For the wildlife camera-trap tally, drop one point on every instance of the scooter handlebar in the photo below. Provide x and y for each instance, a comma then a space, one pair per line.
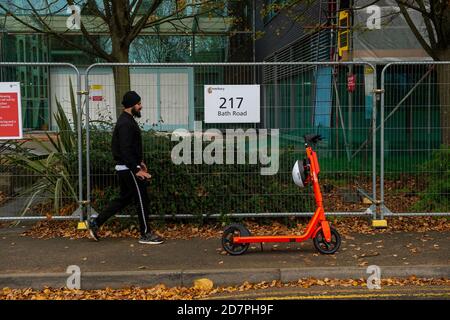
312, 138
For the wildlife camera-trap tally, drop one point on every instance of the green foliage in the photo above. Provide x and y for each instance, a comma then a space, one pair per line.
199, 189
435, 197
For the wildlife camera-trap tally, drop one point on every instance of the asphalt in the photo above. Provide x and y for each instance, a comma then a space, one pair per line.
408, 292
123, 262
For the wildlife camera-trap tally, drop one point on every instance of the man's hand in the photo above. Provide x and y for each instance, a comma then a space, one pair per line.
144, 166
143, 175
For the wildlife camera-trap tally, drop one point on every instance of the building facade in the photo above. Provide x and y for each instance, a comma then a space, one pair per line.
212, 37
295, 99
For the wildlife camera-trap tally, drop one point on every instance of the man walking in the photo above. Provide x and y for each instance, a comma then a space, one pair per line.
131, 170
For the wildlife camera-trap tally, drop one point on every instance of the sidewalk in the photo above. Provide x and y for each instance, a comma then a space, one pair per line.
116, 263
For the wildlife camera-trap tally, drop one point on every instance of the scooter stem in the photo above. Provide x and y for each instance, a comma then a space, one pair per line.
314, 173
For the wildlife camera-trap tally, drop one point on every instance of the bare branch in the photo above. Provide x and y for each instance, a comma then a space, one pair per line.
174, 16
365, 6
142, 21
108, 13
93, 7
430, 29
406, 4
416, 32
442, 22
8, 12
137, 5
99, 50
47, 30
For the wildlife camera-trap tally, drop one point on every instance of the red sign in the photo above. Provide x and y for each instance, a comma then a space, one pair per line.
97, 98
10, 111
351, 83
96, 92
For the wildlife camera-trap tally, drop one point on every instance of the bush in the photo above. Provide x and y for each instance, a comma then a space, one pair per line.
435, 197
200, 189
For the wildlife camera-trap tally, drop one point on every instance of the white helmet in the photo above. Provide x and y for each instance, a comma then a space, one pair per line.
298, 174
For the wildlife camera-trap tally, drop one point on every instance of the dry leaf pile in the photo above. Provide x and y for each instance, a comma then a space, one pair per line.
161, 292
67, 229
400, 195
2, 197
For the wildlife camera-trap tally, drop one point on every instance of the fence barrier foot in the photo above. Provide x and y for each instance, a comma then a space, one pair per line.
379, 224
82, 225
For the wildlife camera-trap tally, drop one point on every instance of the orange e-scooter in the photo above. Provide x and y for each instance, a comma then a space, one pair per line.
236, 237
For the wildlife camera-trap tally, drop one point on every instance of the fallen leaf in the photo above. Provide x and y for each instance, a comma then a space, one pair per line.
203, 284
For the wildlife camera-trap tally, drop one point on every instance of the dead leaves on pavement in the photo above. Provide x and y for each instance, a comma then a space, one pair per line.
67, 229
161, 292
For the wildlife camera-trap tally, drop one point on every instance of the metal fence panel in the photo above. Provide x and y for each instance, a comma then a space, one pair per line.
296, 99
41, 174
415, 139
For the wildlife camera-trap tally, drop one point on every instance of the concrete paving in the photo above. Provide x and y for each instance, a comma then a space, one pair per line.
121, 262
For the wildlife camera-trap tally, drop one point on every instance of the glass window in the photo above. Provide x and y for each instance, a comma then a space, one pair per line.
35, 57
35, 86
211, 48
21, 53
42, 6
62, 52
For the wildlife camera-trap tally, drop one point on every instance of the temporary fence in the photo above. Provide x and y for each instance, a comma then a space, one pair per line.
335, 100
385, 151
43, 172
415, 139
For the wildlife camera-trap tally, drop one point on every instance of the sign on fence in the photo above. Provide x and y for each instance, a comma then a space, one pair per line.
232, 103
10, 111
96, 92
351, 83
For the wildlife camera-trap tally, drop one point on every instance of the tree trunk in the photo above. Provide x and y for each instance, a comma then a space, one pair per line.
443, 72
121, 77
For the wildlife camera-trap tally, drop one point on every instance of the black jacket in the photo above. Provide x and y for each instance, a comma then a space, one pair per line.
127, 142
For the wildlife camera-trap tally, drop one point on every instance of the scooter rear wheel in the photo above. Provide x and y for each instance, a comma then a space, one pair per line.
325, 247
231, 231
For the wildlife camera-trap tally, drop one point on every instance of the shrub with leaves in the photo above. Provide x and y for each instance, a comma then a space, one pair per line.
198, 188
435, 197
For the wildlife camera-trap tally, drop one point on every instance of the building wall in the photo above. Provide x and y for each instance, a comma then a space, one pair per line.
211, 40
278, 30
34, 89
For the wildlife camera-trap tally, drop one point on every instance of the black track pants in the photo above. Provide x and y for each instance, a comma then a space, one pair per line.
132, 189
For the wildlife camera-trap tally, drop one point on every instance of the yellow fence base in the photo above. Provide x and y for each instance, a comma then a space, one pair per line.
379, 223
82, 225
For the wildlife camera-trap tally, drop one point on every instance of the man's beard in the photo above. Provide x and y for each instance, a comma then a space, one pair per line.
135, 113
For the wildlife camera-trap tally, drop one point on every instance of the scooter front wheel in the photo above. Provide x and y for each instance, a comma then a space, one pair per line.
231, 231
325, 247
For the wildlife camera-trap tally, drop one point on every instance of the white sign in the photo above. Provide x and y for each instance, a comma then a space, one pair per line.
232, 104
10, 111
95, 94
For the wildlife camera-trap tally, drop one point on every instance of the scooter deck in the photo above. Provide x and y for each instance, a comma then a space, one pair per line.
258, 239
